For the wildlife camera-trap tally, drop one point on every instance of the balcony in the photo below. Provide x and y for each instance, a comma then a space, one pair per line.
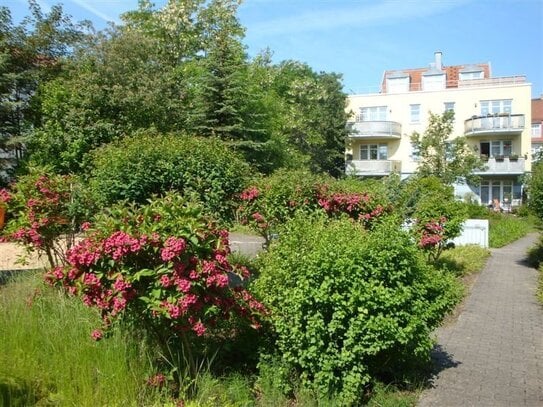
503, 166
492, 124
373, 168
375, 129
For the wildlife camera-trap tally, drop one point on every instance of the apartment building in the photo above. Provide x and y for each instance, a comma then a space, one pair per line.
494, 113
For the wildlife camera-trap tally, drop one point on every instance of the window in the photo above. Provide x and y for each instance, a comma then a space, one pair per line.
471, 75
448, 106
496, 148
501, 190
433, 82
373, 113
415, 113
373, 152
397, 85
495, 106
415, 152
536, 130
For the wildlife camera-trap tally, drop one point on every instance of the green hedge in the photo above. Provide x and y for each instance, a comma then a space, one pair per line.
136, 167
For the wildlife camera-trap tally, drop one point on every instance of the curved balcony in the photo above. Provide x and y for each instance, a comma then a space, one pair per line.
376, 129
493, 124
375, 168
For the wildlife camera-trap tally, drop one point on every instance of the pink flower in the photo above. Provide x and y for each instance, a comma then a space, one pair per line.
85, 226
250, 194
199, 328
165, 281
183, 285
173, 247
97, 335
157, 380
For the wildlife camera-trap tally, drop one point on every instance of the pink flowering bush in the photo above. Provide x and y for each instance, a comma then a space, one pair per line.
432, 238
276, 199
163, 269
46, 213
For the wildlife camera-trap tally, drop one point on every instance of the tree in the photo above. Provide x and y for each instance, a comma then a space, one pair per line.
451, 160
312, 115
535, 189
31, 53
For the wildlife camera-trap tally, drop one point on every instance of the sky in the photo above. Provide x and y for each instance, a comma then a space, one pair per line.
360, 39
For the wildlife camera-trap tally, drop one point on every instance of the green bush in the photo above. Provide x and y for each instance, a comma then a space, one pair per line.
348, 304
137, 167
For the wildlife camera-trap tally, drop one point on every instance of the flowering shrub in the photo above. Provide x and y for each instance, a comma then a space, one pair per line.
161, 267
275, 199
278, 198
432, 237
46, 213
350, 305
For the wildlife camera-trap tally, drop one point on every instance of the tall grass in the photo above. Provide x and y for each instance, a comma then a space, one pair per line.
506, 228
47, 355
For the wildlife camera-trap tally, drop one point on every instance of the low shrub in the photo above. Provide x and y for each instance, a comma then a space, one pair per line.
137, 167
349, 305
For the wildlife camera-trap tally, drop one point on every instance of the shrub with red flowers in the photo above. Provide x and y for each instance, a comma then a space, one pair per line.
276, 199
46, 213
162, 268
359, 206
437, 216
432, 238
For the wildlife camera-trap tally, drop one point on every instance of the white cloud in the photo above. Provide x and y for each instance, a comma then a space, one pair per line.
355, 13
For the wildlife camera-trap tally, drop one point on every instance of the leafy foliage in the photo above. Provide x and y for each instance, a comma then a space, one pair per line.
137, 167
348, 304
535, 188
451, 160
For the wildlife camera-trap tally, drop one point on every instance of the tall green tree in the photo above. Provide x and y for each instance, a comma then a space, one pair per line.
312, 115
449, 159
31, 53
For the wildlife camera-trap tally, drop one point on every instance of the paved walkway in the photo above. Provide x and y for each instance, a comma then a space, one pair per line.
493, 354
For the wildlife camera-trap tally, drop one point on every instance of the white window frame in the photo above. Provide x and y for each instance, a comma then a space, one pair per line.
471, 75
373, 152
414, 113
498, 189
448, 106
536, 130
373, 113
489, 107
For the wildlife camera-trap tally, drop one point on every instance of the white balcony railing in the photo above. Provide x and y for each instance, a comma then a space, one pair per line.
372, 167
375, 129
498, 123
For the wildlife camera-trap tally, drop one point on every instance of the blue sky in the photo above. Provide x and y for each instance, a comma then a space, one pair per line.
360, 39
